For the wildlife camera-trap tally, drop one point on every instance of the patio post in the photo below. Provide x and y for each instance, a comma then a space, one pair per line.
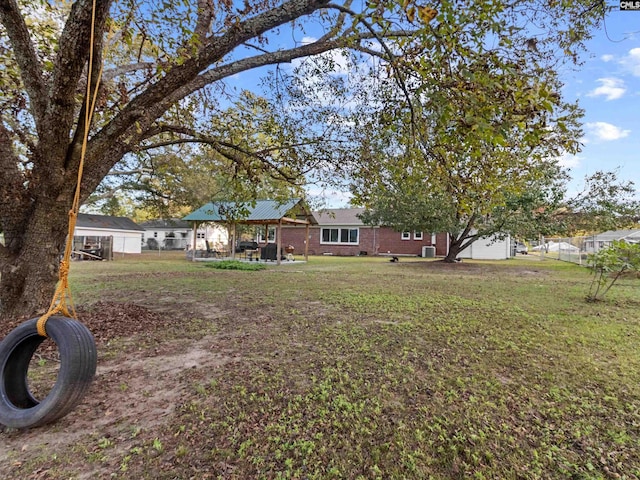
193, 241
233, 241
279, 242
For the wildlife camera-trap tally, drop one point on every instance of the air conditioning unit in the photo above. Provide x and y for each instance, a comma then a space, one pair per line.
428, 251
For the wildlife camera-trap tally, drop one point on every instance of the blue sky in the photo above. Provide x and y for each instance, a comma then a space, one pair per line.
607, 87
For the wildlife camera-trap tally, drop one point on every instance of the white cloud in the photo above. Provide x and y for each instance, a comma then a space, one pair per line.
329, 198
632, 61
611, 88
606, 58
339, 58
605, 131
569, 161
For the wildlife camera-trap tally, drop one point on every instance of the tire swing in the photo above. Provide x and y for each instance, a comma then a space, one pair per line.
78, 359
78, 355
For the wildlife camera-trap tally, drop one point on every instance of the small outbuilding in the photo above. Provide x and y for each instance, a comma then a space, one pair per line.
99, 236
495, 247
264, 214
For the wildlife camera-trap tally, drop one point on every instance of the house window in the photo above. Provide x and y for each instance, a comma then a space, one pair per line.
200, 235
155, 234
417, 235
340, 235
406, 235
271, 236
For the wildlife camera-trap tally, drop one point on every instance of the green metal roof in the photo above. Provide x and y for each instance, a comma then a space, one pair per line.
264, 210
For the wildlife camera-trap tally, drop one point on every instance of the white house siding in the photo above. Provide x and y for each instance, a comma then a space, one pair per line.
594, 243
217, 235
180, 240
488, 248
124, 241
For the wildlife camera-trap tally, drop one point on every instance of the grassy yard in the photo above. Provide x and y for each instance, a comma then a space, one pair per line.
348, 368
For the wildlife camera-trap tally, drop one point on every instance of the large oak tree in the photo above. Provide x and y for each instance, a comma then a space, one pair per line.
162, 58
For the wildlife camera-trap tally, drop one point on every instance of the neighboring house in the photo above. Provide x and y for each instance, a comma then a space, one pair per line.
104, 234
177, 234
595, 242
341, 232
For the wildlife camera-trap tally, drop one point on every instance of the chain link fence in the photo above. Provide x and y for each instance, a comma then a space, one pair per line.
568, 249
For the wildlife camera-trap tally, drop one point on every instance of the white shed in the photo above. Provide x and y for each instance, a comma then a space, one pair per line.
117, 234
489, 248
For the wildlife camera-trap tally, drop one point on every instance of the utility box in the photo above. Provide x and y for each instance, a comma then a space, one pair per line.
428, 251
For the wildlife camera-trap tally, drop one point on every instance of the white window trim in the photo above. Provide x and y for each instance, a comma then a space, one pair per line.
418, 235
260, 236
357, 242
405, 236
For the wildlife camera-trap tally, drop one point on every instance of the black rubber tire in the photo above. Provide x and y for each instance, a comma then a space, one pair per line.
78, 360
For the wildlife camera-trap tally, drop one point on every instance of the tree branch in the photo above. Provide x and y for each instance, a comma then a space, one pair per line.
205, 15
130, 172
339, 22
25, 55
124, 130
224, 148
390, 54
270, 58
73, 52
109, 75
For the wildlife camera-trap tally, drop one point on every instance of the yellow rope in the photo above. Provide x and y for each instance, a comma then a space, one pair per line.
63, 292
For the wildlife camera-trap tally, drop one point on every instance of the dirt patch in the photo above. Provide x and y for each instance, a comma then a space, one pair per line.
126, 396
473, 268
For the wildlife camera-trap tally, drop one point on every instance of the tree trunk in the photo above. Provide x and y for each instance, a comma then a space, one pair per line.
455, 247
32, 259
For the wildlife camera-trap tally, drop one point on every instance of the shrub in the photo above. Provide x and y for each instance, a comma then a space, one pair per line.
609, 264
236, 265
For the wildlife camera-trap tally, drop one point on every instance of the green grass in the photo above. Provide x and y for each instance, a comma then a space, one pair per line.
357, 368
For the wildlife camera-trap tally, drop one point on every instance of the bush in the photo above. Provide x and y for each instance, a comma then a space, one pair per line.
609, 264
236, 265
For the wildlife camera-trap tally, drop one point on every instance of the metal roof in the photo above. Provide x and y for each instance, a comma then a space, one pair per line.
339, 216
617, 235
262, 211
106, 222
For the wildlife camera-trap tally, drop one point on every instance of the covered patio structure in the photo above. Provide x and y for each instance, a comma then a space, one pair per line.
262, 213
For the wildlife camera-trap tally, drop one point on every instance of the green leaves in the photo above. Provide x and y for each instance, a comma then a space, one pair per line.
609, 264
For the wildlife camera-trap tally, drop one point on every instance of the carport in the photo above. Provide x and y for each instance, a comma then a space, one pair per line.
261, 213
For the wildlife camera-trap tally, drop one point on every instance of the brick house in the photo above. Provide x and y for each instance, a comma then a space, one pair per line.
340, 232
